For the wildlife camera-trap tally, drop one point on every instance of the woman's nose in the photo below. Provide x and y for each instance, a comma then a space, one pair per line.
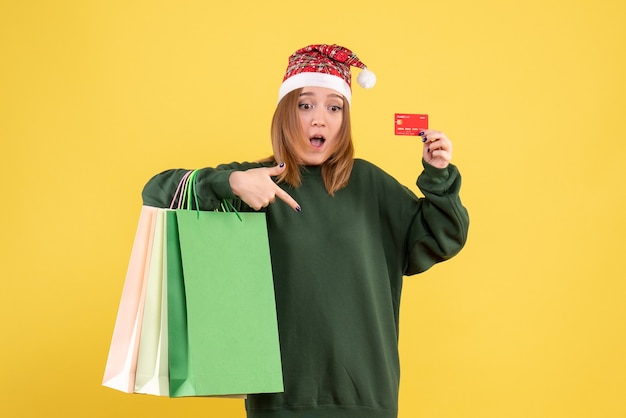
318, 118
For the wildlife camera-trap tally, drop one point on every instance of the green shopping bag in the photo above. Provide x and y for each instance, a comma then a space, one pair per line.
222, 327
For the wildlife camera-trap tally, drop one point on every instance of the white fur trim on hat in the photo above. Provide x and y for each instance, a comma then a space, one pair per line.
315, 79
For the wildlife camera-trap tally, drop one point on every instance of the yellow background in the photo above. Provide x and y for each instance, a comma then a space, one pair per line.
528, 321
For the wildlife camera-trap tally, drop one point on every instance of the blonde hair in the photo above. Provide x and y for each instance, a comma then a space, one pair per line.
288, 141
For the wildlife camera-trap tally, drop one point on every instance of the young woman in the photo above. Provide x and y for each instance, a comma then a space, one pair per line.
342, 233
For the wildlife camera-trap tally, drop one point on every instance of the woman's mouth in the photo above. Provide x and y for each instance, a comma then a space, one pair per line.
317, 141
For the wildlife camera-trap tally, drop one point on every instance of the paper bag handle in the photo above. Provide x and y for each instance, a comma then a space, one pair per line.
186, 194
178, 194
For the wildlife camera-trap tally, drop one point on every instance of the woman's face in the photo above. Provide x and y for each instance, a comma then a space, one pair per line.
321, 117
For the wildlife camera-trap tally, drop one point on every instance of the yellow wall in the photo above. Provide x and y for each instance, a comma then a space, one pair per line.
528, 321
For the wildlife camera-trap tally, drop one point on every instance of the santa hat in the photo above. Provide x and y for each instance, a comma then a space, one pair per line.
324, 66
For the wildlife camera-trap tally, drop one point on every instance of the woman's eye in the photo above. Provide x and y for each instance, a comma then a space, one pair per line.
305, 106
334, 108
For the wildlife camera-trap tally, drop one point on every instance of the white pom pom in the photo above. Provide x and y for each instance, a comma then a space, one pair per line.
366, 79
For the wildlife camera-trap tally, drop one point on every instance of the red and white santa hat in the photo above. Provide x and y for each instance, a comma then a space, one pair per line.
324, 66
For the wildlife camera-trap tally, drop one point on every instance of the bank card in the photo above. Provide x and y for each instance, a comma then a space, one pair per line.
410, 123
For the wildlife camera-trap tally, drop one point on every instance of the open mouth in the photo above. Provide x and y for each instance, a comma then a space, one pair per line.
317, 141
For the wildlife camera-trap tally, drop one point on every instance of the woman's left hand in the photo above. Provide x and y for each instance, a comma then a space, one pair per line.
437, 148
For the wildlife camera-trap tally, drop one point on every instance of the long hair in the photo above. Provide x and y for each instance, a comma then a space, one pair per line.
289, 141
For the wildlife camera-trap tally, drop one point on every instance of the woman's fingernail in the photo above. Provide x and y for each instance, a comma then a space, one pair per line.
424, 139
421, 133
428, 149
298, 209
282, 165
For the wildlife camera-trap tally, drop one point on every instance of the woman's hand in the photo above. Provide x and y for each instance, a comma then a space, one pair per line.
257, 189
437, 148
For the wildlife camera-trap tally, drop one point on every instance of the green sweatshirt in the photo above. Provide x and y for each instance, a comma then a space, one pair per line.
338, 267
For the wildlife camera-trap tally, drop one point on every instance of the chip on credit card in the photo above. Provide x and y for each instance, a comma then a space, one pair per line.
410, 123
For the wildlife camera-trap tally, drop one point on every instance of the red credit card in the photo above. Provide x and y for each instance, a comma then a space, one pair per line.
410, 123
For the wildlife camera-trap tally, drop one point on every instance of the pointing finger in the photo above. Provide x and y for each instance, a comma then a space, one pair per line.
286, 197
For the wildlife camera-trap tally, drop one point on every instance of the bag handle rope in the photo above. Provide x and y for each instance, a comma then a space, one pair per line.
179, 190
186, 195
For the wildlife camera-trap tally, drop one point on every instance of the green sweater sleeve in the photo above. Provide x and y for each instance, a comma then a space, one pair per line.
212, 186
440, 226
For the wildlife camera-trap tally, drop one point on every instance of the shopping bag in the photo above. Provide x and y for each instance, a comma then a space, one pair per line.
222, 326
121, 363
152, 360
134, 366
